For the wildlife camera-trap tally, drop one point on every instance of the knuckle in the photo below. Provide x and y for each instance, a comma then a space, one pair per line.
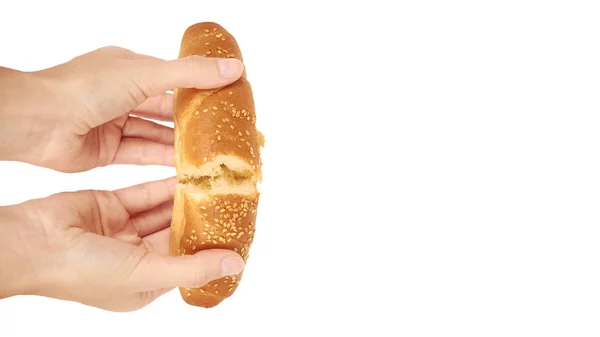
109, 50
200, 279
116, 51
146, 195
165, 212
166, 103
194, 66
170, 186
133, 221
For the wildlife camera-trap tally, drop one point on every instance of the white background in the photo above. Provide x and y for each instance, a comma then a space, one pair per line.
432, 167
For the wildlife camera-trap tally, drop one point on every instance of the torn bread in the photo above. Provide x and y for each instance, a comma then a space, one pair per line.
218, 163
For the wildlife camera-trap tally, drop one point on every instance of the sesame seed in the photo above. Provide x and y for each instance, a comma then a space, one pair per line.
208, 52
216, 292
206, 43
193, 231
206, 30
189, 294
231, 92
219, 35
231, 126
197, 113
205, 110
194, 247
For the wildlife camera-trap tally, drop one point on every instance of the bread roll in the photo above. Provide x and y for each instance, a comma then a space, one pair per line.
218, 163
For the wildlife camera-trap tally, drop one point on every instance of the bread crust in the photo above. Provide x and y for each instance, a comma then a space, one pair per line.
218, 164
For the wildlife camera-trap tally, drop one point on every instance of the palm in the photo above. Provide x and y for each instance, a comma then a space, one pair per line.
105, 237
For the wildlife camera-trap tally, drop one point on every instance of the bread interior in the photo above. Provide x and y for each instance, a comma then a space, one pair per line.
222, 176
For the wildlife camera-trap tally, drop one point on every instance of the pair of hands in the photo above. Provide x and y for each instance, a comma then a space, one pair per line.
107, 249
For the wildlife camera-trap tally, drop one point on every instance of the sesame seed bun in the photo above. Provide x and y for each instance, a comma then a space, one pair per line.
217, 158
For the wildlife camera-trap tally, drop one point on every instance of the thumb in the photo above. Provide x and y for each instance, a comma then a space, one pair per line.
154, 77
145, 77
188, 271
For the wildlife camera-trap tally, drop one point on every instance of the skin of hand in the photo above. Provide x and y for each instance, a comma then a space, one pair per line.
100, 248
86, 112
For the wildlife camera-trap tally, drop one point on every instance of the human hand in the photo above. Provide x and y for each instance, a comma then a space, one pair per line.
104, 249
82, 114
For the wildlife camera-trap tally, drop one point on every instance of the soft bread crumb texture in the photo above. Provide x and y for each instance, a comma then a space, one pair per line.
218, 163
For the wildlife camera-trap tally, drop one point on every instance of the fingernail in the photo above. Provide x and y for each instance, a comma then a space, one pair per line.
230, 68
231, 266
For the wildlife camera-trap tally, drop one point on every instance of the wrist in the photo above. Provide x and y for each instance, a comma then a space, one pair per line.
11, 87
17, 273
21, 116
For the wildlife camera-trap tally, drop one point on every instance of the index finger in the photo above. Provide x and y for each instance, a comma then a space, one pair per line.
156, 107
146, 196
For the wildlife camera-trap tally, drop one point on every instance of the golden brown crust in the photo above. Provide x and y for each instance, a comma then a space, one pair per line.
223, 123
224, 221
209, 39
217, 158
